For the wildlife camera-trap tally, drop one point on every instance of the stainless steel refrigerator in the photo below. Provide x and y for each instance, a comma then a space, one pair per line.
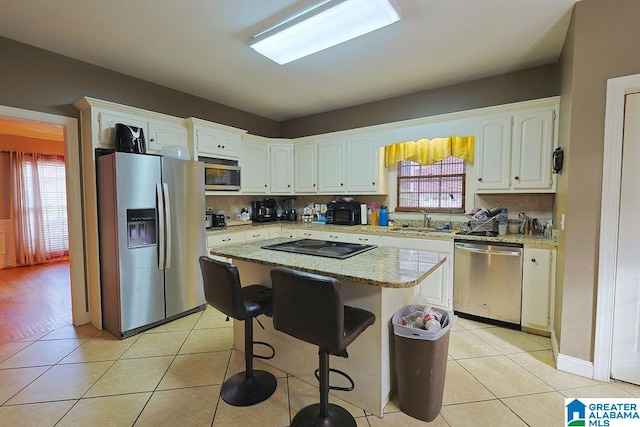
152, 232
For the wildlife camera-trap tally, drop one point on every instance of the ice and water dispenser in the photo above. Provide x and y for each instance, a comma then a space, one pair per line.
141, 227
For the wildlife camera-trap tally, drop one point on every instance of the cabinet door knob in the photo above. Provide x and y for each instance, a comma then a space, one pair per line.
218, 145
152, 140
314, 185
373, 183
479, 179
533, 260
223, 146
341, 184
288, 185
517, 177
265, 186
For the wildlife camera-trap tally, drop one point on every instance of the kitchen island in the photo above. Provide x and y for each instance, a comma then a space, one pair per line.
381, 280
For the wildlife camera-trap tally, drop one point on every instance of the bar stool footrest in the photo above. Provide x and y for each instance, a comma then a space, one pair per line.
331, 387
273, 351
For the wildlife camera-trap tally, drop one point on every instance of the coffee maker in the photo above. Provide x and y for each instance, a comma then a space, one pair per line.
289, 213
263, 210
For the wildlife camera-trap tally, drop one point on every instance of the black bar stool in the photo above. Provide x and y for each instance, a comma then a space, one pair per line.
310, 307
222, 290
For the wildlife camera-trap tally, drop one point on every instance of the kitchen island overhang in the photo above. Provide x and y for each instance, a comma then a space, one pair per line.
381, 280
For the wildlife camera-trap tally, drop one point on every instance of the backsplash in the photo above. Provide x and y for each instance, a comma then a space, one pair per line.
232, 205
534, 205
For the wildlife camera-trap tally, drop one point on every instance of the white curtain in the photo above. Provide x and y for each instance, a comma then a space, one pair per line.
38, 211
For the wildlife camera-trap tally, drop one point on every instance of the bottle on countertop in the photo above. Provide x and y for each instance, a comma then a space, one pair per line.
383, 217
503, 221
374, 216
548, 233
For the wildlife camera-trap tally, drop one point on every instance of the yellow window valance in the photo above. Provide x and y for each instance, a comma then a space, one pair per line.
429, 151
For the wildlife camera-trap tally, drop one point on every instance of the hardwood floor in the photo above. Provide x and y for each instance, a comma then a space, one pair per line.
34, 300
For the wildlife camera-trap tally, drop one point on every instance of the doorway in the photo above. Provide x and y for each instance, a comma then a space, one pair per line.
76, 271
35, 287
611, 228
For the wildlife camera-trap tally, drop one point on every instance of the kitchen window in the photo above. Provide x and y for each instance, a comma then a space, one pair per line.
438, 187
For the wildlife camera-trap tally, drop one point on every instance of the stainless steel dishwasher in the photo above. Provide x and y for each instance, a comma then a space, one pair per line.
487, 281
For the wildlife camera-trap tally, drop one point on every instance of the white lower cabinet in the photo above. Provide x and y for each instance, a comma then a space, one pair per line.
363, 239
437, 288
309, 234
262, 234
538, 288
333, 236
289, 232
222, 240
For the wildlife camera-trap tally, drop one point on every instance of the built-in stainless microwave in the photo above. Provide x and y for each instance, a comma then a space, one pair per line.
221, 174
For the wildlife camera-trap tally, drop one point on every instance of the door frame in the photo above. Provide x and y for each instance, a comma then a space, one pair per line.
617, 89
79, 302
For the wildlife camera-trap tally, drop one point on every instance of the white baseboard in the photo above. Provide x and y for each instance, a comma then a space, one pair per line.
573, 365
554, 345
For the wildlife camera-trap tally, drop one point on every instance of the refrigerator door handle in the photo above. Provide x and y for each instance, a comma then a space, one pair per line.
161, 245
167, 208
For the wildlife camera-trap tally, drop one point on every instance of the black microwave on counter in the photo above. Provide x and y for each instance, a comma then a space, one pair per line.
221, 174
343, 213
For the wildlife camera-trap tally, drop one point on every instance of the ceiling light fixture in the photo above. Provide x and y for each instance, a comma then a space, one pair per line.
326, 24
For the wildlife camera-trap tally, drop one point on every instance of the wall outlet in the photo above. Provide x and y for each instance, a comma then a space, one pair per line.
562, 223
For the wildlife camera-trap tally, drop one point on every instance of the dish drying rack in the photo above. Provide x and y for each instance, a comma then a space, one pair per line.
482, 226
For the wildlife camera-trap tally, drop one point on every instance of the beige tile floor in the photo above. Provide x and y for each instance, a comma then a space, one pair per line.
171, 376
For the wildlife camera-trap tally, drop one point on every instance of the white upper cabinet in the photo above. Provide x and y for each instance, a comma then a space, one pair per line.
107, 121
365, 168
210, 139
493, 153
332, 166
220, 144
254, 166
514, 151
305, 159
165, 133
532, 150
352, 165
281, 168
157, 132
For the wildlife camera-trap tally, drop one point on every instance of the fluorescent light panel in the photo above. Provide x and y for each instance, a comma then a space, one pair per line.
330, 23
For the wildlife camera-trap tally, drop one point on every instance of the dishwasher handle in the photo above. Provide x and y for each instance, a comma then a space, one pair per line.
488, 249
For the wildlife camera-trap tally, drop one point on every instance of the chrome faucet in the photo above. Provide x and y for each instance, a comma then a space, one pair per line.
426, 218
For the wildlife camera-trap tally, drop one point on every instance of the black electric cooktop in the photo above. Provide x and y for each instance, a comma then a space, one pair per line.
322, 248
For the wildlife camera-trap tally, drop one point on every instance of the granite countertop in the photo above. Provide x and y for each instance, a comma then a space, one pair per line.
527, 240
381, 266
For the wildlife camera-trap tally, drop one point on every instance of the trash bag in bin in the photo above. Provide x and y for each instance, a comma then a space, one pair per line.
421, 360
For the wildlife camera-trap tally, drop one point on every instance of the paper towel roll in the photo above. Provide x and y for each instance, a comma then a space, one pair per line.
363, 214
